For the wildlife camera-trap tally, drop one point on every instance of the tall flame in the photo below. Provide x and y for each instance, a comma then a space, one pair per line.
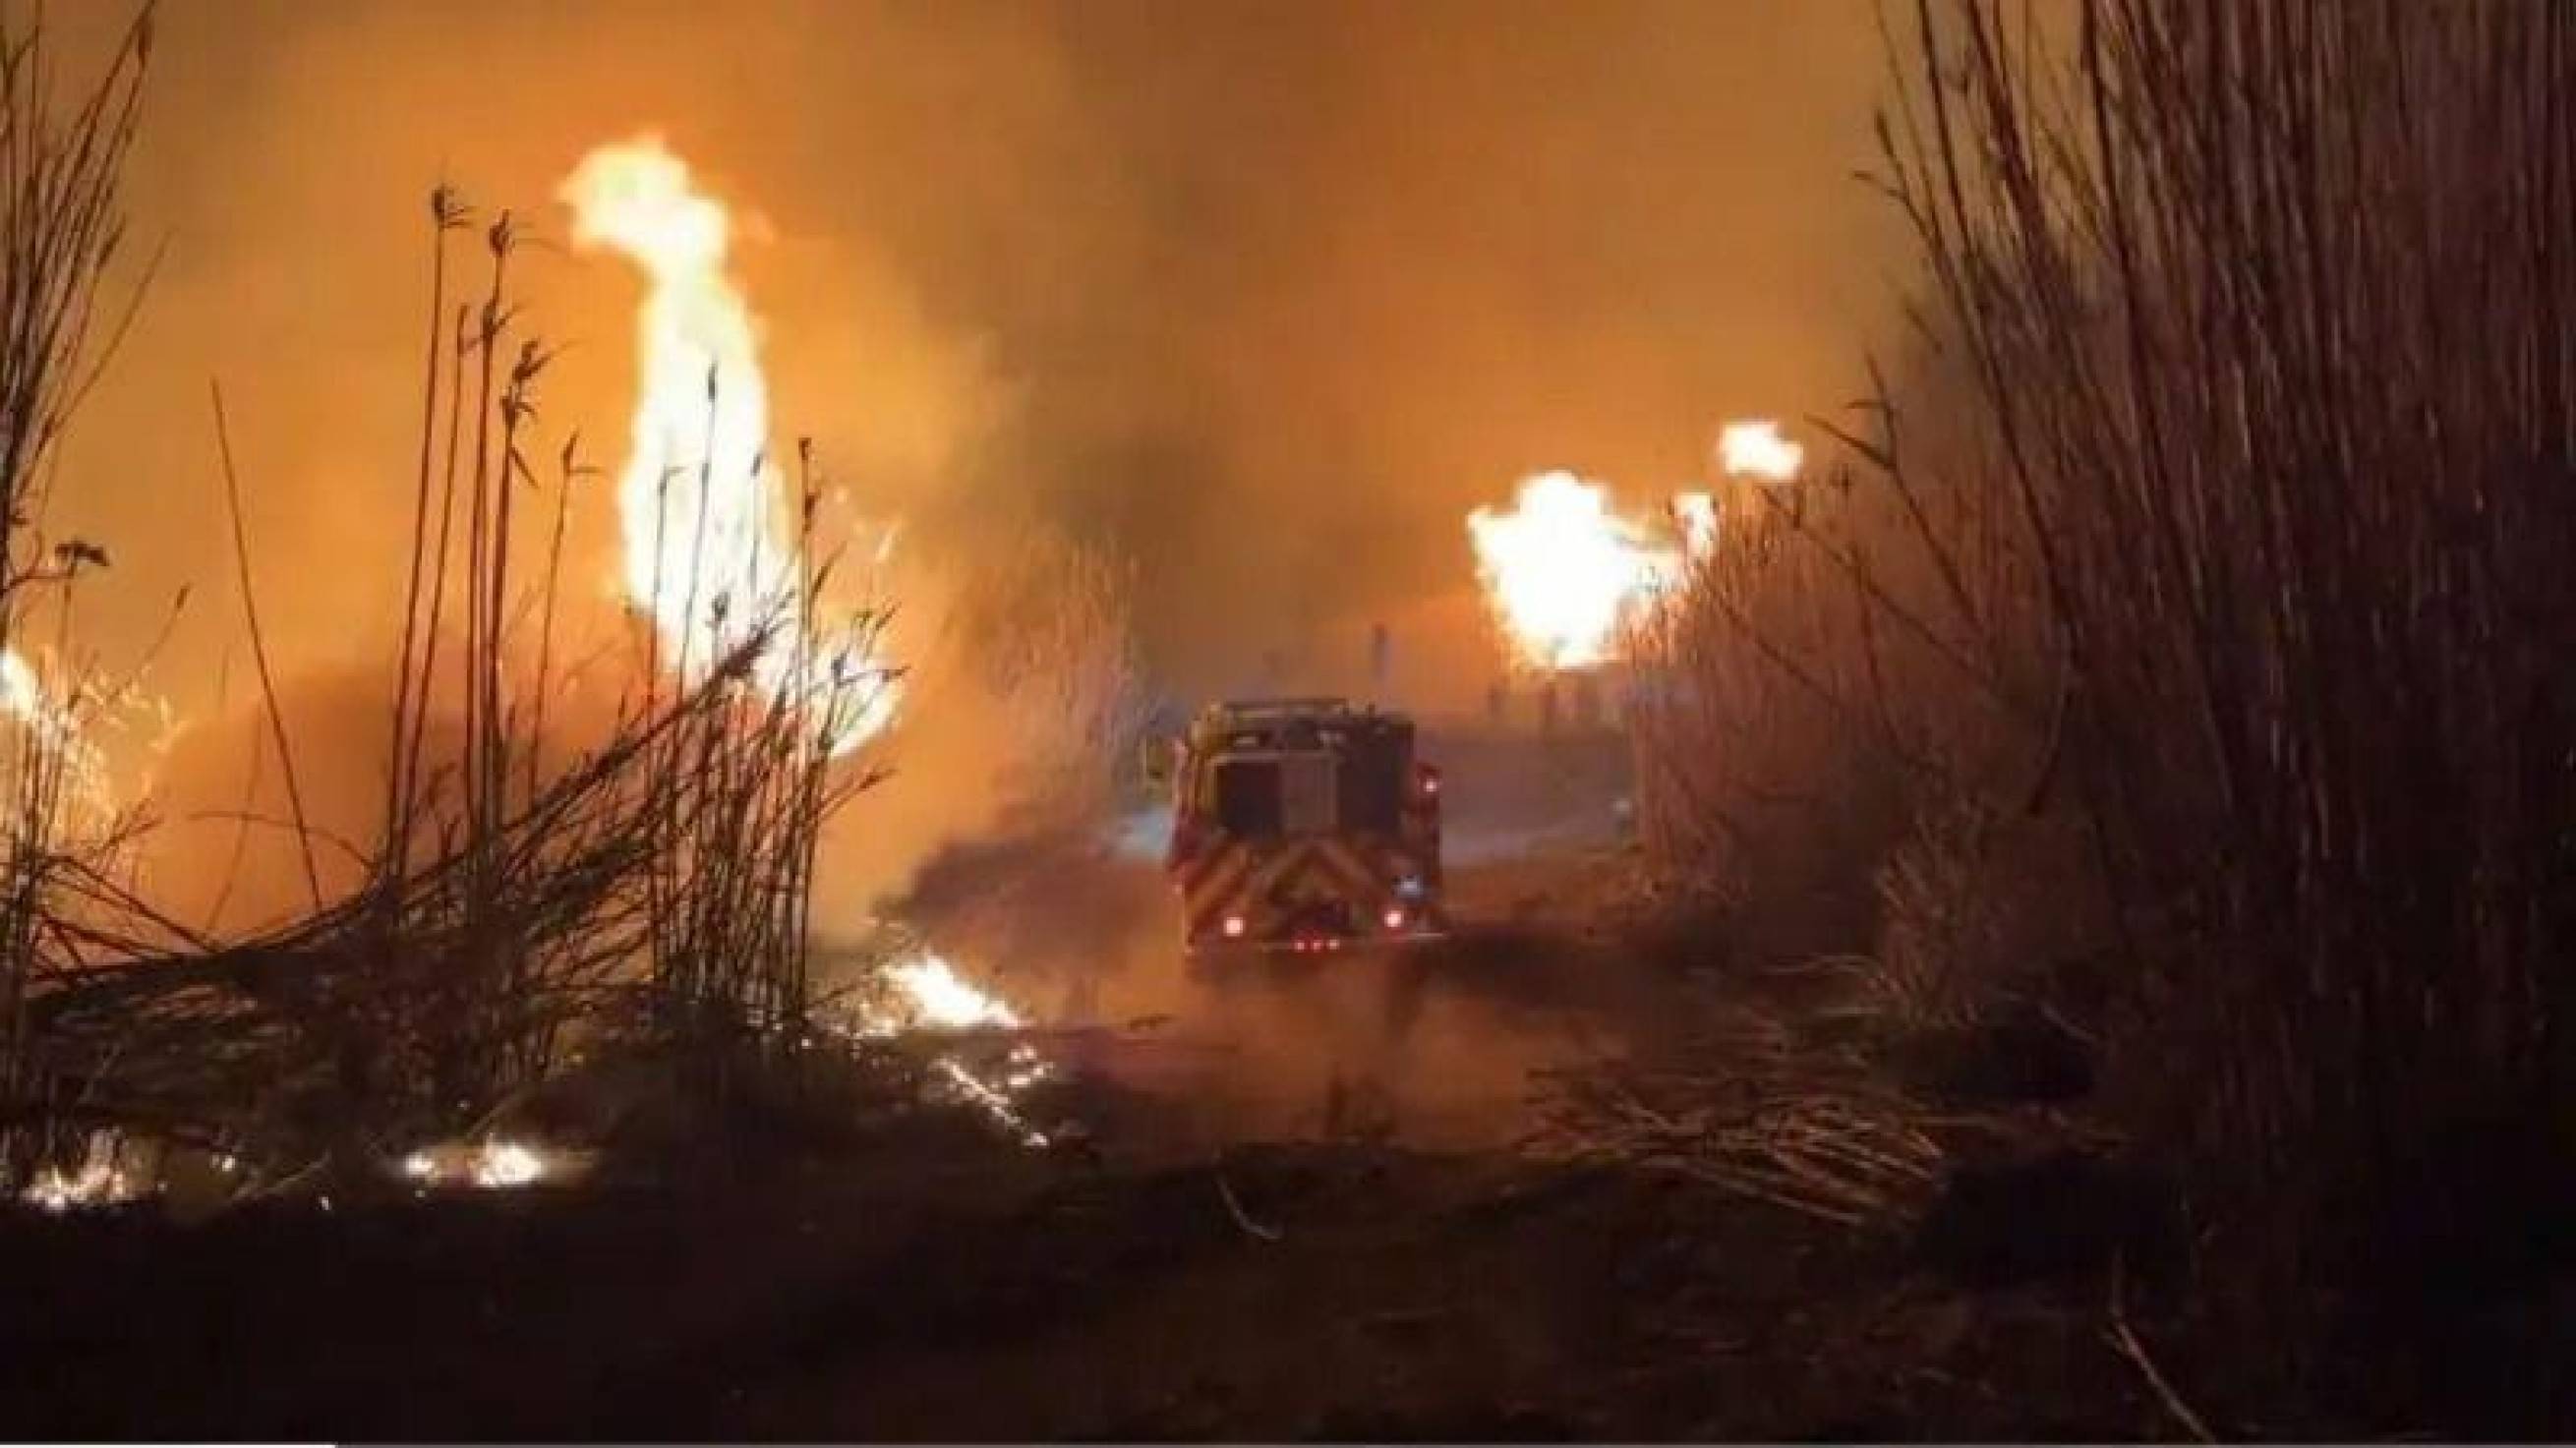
709, 552
1562, 570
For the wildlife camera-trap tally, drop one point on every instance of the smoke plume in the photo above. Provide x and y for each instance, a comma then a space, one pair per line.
1256, 299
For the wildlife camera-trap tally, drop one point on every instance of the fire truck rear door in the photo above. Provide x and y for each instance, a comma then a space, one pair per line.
1307, 793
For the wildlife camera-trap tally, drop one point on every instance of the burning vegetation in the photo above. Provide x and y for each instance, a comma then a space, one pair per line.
589, 847
709, 549
2076, 877
1567, 578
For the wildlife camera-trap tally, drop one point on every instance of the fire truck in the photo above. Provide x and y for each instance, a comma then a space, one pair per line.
1302, 826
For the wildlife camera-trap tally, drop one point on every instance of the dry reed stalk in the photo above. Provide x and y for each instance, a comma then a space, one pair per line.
61, 235
448, 214
661, 872
1754, 1109
2271, 322
2252, 330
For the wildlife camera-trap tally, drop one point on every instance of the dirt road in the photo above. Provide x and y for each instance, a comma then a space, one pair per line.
1431, 1047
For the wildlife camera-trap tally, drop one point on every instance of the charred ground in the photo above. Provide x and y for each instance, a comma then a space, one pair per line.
1338, 1272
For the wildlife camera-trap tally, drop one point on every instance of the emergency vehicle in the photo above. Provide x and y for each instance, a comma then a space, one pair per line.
1303, 826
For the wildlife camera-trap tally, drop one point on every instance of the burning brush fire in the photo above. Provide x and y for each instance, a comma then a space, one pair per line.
495, 1165
23, 697
714, 557
1757, 450
926, 997
100, 1180
48, 721
1562, 571
710, 550
929, 996
718, 556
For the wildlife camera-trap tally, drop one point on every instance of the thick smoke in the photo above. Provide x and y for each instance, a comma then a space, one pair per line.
1259, 297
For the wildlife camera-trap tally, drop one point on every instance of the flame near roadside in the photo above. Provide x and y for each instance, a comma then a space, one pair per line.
927, 999
1562, 570
930, 998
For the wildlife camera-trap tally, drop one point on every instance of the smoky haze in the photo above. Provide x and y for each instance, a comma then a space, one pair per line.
1264, 296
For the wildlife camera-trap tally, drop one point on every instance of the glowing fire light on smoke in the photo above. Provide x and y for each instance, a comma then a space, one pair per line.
1562, 570
1755, 449
710, 550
